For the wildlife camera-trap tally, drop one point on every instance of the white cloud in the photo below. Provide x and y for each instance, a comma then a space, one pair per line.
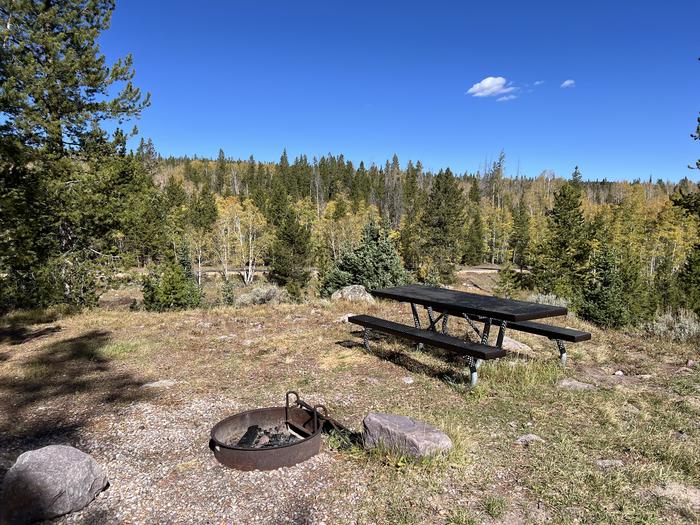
539, 82
568, 84
506, 98
490, 87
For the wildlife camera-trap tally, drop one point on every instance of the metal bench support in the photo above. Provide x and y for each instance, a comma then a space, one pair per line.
416, 323
562, 351
365, 340
501, 334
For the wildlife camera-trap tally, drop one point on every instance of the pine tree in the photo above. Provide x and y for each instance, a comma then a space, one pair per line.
508, 282
564, 254
414, 200
474, 238
602, 298
442, 225
375, 263
56, 91
220, 173
291, 255
520, 238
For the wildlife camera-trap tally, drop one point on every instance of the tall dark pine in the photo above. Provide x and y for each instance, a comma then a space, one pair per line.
414, 201
220, 173
291, 255
520, 238
474, 238
442, 225
56, 91
565, 252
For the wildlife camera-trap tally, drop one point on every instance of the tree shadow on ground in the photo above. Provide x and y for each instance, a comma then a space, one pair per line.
49, 396
443, 373
16, 335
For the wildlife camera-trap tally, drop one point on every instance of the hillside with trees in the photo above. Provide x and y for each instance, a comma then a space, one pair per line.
79, 207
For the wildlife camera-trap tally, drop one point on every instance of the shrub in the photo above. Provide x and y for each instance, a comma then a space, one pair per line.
170, 288
549, 299
679, 325
374, 264
264, 294
228, 293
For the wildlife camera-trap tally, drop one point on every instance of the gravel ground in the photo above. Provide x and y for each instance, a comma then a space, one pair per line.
161, 471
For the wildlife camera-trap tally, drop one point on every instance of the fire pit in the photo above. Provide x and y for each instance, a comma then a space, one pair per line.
269, 438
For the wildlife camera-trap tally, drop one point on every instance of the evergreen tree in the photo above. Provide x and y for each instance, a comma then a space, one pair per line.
561, 266
291, 255
520, 238
474, 238
220, 173
414, 200
442, 225
508, 282
170, 288
374, 264
56, 90
603, 298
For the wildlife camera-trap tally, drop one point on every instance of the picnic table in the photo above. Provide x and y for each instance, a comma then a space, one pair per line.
441, 303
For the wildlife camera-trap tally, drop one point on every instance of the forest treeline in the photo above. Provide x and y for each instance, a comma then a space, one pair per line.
78, 207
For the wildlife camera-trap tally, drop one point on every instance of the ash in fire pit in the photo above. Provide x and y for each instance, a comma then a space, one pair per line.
277, 436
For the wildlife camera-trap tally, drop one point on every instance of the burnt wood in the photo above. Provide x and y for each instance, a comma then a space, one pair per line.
553, 332
436, 339
455, 302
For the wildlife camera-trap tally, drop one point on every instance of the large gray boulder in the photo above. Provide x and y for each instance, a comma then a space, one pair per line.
404, 435
49, 482
354, 292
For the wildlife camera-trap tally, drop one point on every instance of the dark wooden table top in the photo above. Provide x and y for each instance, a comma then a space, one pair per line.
453, 301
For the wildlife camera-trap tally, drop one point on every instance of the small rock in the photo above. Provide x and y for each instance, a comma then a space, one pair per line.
528, 439
681, 494
407, 380
631, 408
404, 435
344, 318
49, 482
354, 292
247, 342
610, 463
680, 435
690, 363
511, 345
619, 373
163, 383
573, 384
684, 370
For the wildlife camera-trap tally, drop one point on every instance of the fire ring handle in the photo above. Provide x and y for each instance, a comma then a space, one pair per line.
303, 404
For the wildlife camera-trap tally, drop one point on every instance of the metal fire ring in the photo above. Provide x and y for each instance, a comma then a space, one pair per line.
296, 414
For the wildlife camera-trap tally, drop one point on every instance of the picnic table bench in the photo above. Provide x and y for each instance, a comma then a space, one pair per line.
506, 313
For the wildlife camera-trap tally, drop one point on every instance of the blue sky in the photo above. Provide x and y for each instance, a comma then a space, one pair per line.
370, 79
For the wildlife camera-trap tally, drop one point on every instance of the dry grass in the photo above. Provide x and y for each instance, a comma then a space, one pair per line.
255, 354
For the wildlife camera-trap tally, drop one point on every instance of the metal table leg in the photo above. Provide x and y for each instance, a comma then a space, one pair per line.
416, 323
501, 334
562, 352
